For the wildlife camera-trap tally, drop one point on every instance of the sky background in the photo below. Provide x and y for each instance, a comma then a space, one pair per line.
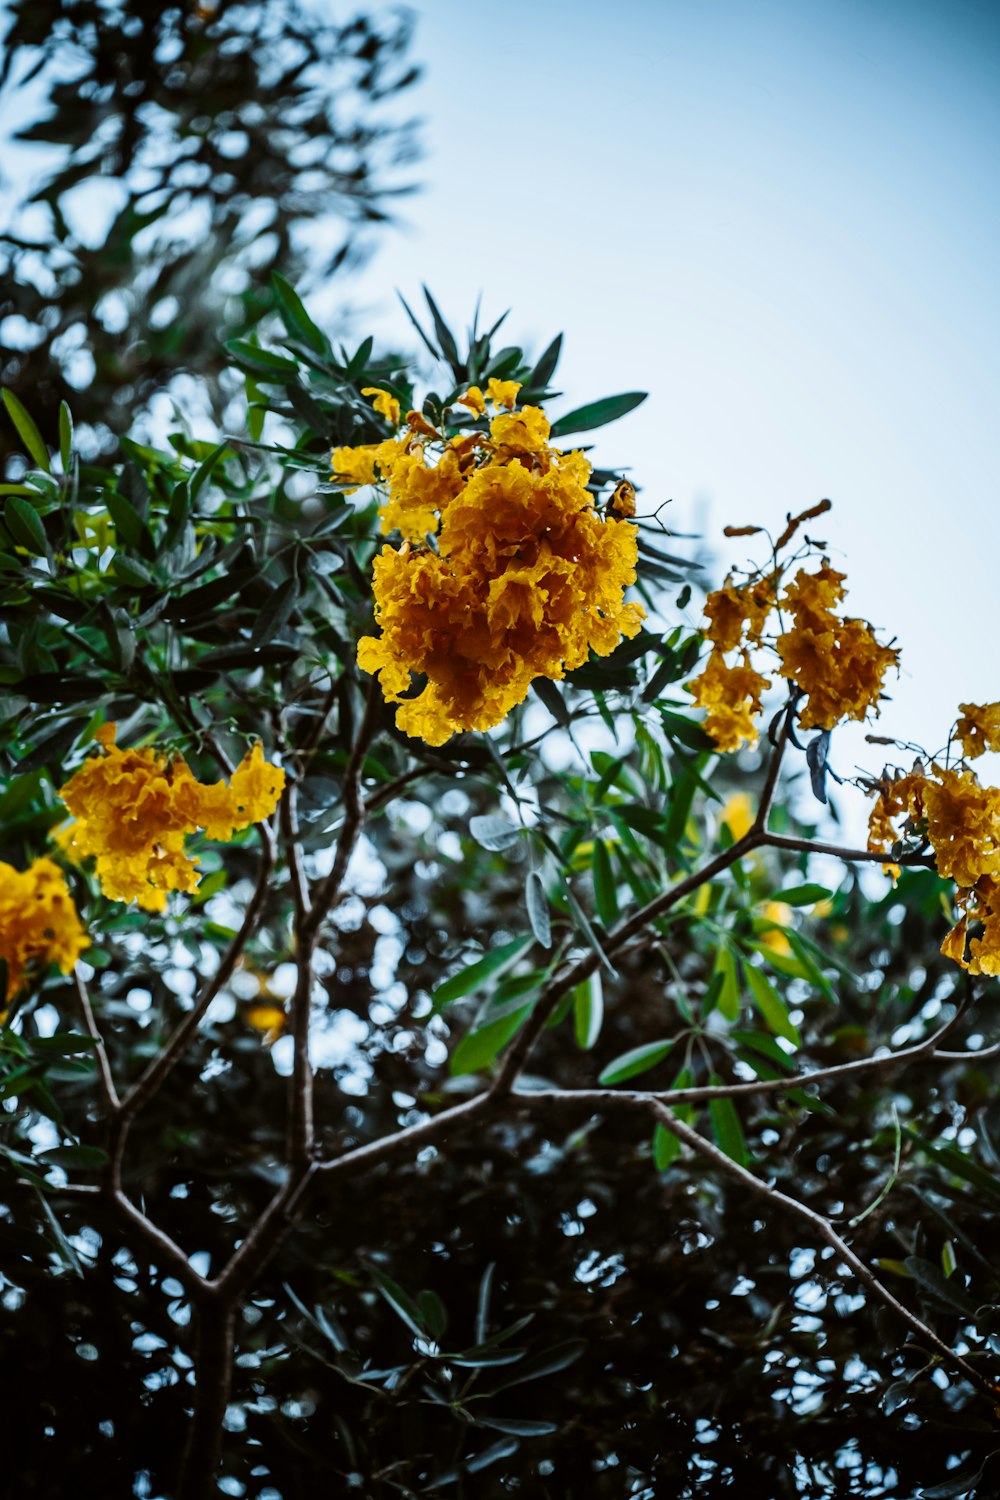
781, 219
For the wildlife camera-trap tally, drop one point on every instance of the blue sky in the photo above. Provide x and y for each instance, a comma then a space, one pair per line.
782, 219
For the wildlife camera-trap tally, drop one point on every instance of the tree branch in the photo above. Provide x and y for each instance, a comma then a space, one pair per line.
100, 1051
167, 1059
822, 1226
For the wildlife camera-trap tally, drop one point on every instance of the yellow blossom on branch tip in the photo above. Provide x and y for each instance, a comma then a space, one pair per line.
133, 810
384, 403
526, 579
39, 924
474, 400
978, 730
733, 697
502, 392
734, 609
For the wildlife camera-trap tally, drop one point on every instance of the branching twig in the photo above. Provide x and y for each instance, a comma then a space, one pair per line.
100, 1051
822, 1226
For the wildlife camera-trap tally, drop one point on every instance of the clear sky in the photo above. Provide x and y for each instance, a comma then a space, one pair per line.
782, 219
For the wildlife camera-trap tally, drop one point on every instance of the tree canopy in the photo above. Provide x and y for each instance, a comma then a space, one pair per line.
499, 1089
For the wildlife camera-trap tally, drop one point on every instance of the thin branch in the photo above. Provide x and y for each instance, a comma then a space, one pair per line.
870, 856
165, 1250
569, 978
925, 1051
826, 1231
170, 1055
773, 770
100, 1051
300, 1087
354, 813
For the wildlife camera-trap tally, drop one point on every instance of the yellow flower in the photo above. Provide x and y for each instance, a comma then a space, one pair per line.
384, 403
526, 581
963, 825
779, 915
732, 607
738, 814
39, 924
502, 392
367, 464
837, 663
732, 696
622, 502
474, 400
134, 809
522, 432
978, 729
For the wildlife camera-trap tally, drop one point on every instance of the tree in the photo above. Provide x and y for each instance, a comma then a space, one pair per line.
217, 143
502, 1106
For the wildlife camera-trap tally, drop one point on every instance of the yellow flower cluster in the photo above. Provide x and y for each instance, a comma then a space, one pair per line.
525, 578
134, 809
961, 821
836, 662
978, 729
38, 922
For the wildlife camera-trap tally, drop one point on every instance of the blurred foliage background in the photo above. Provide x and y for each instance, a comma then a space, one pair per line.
198, 148
540, 1306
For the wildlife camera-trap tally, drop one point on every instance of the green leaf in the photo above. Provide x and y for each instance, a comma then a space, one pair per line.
64, 1043
545, 368
597, 413
636, 1060
686, 731
472, 978
494, 831
130, 529
479, 1048
65, 435
294, 316
802, 895
262, 362
553, 700
588, 1010
729, 995
22, 521
86, 1158
131, 572
770, 1004
27, 431
538, 908
605, 889
275, 612
727, 1129
402, 1305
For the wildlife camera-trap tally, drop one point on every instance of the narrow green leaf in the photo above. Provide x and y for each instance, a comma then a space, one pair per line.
494, 831
479, 1048
87, 1158
802, 895
729, 995
636, 1060
275, 613
268, 367
770, 1004
588, 1010
472, 978
605, 888
597, 413
294, 316
27, 431
65, 435
545, 368
538, 908
22, 521
727, 1129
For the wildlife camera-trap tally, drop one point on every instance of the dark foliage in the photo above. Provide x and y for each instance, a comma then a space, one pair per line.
201, 147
